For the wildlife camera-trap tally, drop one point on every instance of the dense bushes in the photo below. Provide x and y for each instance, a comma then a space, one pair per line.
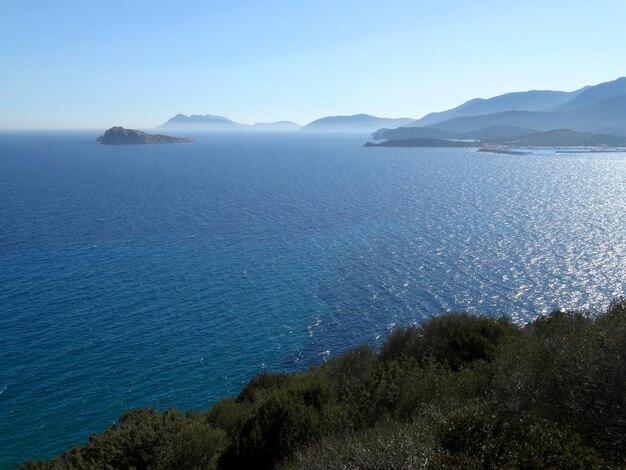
520, 442
287, 417
454, 340
457, 391
570, 369
145, 439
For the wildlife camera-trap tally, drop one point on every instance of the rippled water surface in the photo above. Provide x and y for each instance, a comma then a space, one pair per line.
167, 275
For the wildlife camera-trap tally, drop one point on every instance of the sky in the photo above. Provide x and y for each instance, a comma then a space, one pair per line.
92, 64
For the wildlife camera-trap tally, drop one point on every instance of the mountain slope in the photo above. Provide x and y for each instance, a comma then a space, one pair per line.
357, 122
535, 100
488, 133
567, 138
499, 132
595, 94
518, 104
606, 116
200, 122
527, 119
415, 133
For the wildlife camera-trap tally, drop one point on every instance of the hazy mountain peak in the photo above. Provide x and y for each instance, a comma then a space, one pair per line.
200, 122
532, 100
276, 126
591, 109
199, 117
596, 93
355, 123
211, 122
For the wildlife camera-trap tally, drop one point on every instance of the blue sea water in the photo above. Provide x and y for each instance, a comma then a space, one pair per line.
168, 275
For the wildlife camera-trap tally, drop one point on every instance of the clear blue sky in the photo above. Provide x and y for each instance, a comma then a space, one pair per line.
93, 64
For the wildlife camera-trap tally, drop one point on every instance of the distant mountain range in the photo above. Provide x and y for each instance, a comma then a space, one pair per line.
355, 123
599, 109
276, 126
209, 122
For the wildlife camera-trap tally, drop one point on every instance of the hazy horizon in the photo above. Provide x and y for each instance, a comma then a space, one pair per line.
81, 66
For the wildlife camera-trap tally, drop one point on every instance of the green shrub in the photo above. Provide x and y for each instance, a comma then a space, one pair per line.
288, 417
558, 325
353, 373
138, 440
454, 340
571, 369
146, 439
389, 446
228, 414
592, 371
196, 445
481, 441
260, 386
524, 380
354, 378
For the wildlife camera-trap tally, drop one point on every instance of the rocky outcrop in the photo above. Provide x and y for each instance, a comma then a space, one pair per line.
121, 136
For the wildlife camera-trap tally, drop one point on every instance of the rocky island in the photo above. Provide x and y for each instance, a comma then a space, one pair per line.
121, 136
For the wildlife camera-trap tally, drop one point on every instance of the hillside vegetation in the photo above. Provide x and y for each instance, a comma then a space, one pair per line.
459, 391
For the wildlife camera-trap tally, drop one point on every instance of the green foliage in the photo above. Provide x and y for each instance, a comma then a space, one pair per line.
454, 340
196, 445
228, 414
458, 391
260, 386
288, 417
558, 325
138, 440
571, 369
146, 439
389, 446
493, 443
353, 373
592, 370
354, 378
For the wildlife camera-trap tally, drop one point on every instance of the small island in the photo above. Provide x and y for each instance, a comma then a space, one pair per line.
120, 136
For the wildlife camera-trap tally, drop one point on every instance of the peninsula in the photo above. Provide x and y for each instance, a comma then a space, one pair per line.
491, 143
424, 143
121, 136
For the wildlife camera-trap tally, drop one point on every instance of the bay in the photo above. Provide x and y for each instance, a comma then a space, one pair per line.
167, 275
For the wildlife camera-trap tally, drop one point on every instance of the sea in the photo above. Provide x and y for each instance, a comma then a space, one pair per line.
168, 275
